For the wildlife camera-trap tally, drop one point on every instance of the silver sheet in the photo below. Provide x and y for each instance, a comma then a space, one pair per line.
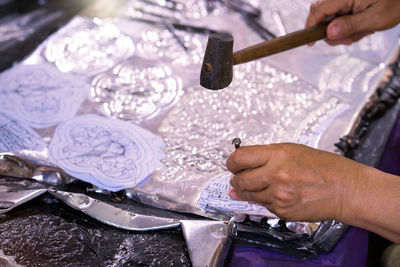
8, 261
216, 234
297, 96
11, 200
113, 216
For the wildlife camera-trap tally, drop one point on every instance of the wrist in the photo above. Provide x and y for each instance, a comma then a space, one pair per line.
356, 194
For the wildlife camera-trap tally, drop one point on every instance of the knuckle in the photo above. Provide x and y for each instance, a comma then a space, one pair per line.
314, 7
347, 25
234, 181
283, 174
284, 196
241, 182
282, 154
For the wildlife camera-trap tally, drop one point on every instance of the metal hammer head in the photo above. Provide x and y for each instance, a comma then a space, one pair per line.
217, 69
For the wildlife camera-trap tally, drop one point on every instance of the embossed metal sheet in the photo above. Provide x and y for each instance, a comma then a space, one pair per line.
147, 75
88, 46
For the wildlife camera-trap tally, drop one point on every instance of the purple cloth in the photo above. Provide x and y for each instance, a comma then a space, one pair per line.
350, 251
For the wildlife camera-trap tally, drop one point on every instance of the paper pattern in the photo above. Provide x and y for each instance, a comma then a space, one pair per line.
40, 95
15, 137
215, 194
108, 153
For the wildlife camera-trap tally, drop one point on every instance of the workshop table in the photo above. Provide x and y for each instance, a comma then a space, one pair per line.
351, 250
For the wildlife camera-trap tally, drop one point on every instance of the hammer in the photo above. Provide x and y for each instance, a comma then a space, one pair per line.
219, 59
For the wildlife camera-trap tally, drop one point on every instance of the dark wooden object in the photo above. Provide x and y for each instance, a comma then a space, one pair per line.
217, 66
280, 44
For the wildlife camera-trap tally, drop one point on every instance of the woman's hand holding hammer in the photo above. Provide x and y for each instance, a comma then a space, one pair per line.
358, 19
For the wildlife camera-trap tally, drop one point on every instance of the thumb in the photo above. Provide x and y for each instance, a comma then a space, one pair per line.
345, 26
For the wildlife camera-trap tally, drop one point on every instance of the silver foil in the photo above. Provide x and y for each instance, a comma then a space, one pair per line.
136, 90
297, 96
88, 46
113, 216
216, 235
11, 200
8, 261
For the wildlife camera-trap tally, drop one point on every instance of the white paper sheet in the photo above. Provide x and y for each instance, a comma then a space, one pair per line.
109, 153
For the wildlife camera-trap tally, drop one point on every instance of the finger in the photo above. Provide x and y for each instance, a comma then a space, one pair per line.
248, 157
347, 26
347, 41
358, 36
260, 197
324, 9
250, 180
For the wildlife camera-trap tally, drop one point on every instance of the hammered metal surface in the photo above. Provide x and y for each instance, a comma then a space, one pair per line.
136, 90
88, 46
147, 74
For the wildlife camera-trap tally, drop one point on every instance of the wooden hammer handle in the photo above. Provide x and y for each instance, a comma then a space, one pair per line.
281, 44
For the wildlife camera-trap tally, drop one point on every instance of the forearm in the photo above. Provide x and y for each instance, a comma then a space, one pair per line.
374, 204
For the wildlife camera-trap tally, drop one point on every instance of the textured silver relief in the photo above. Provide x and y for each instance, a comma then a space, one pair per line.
317, 121
200, 127
88, 46
136, 89
343, 73
178, 10
286, 10
160, 43
263, 105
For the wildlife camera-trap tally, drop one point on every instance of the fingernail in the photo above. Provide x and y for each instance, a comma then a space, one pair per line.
232, 194
334, 31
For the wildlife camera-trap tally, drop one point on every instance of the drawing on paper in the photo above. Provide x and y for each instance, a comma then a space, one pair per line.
215, 194
108, 153
40, 95
15, 137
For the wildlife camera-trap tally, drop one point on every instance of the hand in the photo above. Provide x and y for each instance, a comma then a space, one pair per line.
360, 18
293, 181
